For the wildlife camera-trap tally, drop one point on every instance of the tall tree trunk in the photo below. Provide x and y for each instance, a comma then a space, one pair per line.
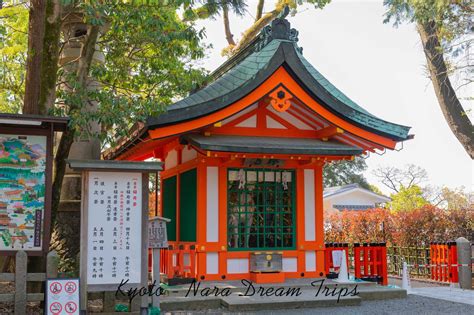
260, 4
51, 46
228, 33
36, 26
34, 57
453, 112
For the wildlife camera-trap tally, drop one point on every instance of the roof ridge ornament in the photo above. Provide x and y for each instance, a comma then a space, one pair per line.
278, 29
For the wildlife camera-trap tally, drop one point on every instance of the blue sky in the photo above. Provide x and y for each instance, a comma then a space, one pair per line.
381, 68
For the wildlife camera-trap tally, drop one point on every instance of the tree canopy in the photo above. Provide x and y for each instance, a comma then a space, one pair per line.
346, 172
13, 43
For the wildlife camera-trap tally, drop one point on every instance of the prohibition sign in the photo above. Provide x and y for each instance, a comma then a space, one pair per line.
70, 307
55, 287
55, 308
70, 287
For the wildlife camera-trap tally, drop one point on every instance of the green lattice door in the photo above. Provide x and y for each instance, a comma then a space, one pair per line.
261, 209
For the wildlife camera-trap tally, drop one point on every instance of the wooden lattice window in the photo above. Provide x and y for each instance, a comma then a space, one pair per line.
260, 209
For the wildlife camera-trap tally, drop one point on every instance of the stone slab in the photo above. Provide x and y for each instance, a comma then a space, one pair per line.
446, 294
306, 300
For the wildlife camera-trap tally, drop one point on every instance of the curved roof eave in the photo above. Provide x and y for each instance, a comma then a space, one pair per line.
284, 54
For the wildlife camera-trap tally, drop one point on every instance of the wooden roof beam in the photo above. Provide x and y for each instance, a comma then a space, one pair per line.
326, 133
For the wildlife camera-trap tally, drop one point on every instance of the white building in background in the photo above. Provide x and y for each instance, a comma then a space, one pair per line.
351, 197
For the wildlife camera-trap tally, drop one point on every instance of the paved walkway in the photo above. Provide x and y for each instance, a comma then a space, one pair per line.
412, 305
437, 291
446, 294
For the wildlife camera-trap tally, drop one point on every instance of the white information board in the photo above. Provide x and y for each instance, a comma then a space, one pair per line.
114, 228
62, 297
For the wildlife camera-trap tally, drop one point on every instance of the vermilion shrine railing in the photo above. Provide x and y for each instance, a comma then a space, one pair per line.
438, 262
370, 262
178, 260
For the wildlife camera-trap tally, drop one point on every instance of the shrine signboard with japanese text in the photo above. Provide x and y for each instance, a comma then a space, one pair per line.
157, 237
114, 233
114, 227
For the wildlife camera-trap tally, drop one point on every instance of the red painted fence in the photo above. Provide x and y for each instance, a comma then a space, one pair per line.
370, 262
178, 260
444, 260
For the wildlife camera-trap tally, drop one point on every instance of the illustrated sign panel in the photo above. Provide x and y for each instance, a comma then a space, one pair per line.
114, 225
157, 237
62, 296
22, 191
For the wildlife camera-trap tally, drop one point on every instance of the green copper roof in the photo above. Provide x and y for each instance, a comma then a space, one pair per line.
274, 47
269, 145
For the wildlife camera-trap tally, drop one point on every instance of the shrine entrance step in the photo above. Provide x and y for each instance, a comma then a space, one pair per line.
241, 298
179, 281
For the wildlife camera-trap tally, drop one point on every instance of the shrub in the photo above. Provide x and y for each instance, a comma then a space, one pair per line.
417, 227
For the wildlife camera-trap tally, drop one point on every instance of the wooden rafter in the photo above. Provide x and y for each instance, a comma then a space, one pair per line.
328, 132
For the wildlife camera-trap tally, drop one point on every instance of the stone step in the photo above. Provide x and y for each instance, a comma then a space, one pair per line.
237, 286
306, 300
381, 293
168, 304
284, 298
234, 302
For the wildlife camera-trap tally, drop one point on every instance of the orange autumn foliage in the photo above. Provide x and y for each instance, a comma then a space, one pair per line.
418, 227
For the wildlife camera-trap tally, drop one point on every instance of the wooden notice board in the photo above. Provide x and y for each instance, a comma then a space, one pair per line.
114, 225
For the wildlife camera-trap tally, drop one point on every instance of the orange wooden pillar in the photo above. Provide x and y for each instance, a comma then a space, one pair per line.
319, 218
201, 222
300, 221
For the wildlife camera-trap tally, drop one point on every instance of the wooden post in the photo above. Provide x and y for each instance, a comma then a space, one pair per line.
156, 276
20, 282
144, 277
109, 301
83, 253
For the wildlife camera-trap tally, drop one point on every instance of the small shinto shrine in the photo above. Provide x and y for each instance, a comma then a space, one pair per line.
243, 163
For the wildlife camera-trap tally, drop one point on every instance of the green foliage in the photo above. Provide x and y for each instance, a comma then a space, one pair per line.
144, 61
375, 189
212, 8
13, 43
345, 172
453, 22
149, 61
452, 17
149, 56
408, 199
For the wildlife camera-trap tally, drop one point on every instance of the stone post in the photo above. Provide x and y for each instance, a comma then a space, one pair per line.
463, 247
65, 239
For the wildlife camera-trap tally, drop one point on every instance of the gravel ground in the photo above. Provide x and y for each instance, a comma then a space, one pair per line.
413, 304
